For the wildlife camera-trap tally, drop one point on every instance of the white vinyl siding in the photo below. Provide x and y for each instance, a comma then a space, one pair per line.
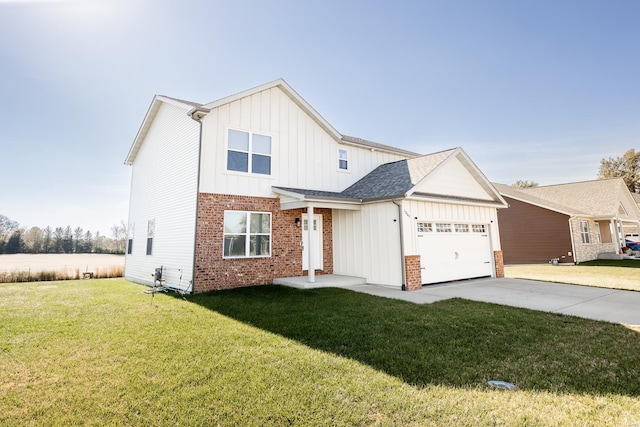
303, 155
164, 188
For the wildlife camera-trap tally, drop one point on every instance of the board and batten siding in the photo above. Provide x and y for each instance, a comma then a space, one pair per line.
304, 155
367, 244
453, 179
164, 189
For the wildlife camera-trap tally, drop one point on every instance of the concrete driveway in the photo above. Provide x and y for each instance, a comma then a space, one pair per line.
592, 303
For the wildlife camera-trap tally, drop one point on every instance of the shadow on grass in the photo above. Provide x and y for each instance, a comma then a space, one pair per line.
628, 263
454, 343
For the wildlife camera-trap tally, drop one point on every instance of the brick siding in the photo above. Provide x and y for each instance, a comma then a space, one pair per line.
499, 263
413, 273
213, 272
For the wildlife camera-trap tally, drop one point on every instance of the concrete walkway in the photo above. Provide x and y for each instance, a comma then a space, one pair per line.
592, 303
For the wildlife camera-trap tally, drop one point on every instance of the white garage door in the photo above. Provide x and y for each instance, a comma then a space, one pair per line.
450, 251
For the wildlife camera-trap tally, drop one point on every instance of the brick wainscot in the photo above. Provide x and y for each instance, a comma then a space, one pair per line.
213, 272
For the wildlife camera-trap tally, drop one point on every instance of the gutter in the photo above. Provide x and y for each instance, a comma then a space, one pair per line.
404, 271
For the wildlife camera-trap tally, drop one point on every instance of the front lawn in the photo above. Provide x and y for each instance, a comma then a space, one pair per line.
615, 274
101, 352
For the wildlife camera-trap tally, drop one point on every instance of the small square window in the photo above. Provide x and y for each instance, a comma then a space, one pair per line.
425, 227
461, 228
444, 228
478, 228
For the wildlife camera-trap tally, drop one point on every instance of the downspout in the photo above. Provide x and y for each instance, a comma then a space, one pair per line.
404, 271
573, 246
195, 229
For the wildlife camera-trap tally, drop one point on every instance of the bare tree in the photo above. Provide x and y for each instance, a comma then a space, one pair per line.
46, 237
7, 227
34, 240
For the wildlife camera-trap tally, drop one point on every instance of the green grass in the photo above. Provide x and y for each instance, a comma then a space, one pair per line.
615, 274
102, 352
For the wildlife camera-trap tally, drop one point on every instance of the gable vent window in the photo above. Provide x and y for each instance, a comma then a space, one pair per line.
343, 160
248, 152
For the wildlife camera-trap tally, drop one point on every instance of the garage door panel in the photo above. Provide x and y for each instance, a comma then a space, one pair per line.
451, 256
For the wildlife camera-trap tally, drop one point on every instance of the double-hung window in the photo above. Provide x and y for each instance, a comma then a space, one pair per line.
584, 231
343, 160
248, 152
247, 234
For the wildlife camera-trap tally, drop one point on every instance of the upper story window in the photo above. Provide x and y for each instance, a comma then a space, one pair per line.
343, 160
248, 152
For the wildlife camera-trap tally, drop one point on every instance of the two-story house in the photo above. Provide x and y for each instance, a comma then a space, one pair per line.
258, 186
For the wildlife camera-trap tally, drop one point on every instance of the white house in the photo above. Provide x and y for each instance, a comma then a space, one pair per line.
221, 194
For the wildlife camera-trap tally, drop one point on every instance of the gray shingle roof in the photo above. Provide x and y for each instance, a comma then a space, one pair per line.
598, 198
387, 181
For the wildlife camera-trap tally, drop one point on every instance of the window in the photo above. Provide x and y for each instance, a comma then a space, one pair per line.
130, 233
584, 231
478, 228
443, 228
343, 160
424, 227
151, 229
461, 228
247, 234
248, 152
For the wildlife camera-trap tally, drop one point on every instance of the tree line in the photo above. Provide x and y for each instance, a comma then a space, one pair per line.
626, 167
15, 239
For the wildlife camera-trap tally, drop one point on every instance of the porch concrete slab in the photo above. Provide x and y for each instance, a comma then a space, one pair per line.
321, 281
589, 302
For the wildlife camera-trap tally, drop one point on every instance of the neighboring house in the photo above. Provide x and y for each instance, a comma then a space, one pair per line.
222, 194
570, 222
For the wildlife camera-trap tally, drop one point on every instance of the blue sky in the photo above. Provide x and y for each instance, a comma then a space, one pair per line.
536, 90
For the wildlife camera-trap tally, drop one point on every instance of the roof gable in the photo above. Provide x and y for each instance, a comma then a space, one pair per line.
411, 177
598, 198
152, 111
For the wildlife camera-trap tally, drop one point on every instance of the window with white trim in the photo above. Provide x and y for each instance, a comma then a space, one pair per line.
584, 231
151, 229
247, 234
425, 227
461, 228
130, 233
343, 159
444, 228
478, 228
248, 152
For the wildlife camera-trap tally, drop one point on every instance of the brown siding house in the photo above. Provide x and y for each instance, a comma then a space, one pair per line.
532, 235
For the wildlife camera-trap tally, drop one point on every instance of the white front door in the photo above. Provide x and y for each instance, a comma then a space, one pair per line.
316, 239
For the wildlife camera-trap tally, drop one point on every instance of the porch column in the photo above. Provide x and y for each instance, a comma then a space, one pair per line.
311, 249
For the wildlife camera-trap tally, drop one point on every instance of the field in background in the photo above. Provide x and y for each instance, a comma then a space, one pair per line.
44, 267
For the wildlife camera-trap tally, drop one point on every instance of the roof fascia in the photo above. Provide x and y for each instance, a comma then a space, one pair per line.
147, 121
291, 93
540, 205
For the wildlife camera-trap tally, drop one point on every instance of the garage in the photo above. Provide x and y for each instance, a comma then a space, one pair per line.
453, 251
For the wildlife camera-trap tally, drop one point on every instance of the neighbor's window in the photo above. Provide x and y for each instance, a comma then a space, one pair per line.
151, 229
343, 160
584, 231
247, 234
248, 152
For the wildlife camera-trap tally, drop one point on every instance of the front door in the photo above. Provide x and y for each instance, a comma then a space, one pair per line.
316, 239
